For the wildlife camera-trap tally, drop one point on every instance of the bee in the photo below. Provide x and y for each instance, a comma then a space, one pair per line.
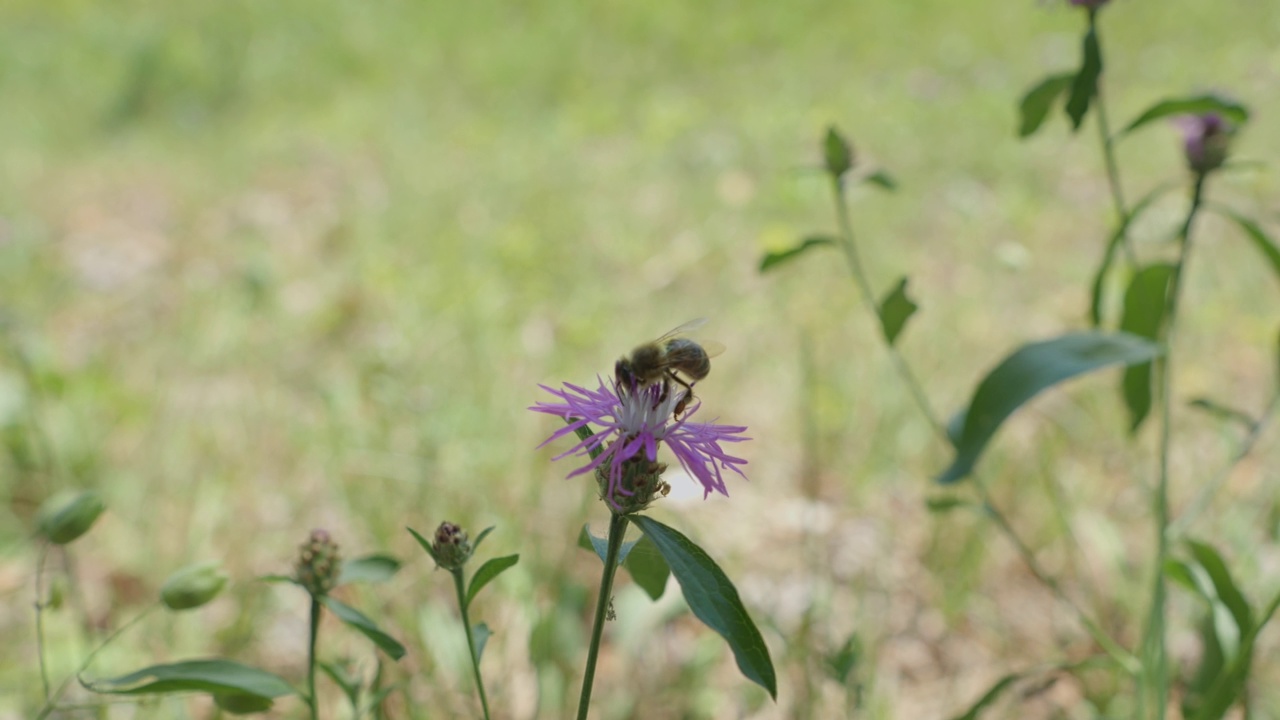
670, 358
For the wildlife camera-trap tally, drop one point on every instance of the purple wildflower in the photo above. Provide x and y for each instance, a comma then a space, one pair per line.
1205, 139
628, 428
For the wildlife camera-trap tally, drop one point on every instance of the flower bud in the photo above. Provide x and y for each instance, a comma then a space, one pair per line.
451, 546
1205, 141
1091, 4
65, 517
837, 154
192, 586
318, 564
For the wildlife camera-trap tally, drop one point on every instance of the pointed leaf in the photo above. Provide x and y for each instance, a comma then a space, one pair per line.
426, 544
1223, 583
1265, 244
1222, 412
487, 572
990, 696
367, 627
480, 538
713, 600
1028, 371
374, 568
882, 180
945, 504
773, 259
480, 634
1085, 85
211, 676
843, 662
1039, 100
1113, 244
648, 568
1230, 110
1144, 305
895, 309
350, 685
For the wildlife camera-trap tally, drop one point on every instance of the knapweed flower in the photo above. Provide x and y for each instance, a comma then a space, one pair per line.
1205, 140
628, 427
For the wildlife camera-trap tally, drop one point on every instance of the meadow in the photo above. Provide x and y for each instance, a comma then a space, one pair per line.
270, 267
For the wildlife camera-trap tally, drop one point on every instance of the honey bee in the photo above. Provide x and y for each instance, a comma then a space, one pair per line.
670, 358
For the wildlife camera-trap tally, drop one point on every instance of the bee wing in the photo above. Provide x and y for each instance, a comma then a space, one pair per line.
712, 348
684, 329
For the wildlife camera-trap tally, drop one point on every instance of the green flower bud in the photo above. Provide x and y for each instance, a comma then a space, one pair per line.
837, 154
193, 586
65, 517
319, 564
452, 548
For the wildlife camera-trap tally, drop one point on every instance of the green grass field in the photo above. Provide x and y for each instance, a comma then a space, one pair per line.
288, 265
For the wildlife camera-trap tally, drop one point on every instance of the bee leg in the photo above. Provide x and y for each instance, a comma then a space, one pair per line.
684, 401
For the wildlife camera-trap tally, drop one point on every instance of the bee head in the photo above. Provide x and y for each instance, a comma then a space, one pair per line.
624, 376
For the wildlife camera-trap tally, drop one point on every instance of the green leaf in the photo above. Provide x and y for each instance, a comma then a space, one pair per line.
713, 600
840, 664
1265, 244
895, 309
588, 541
237, 703
1222, 412
367, 627
837, 154
1144, 306
1036, 104
1026, 372
480, 634
945, 503
1223, 584
376, 568
882, 180
648, 568
1113, 244
480, 538
1084, 87
215, 676
990, 696
426, 545
350, 684
773, 259
1197, 105
487, 572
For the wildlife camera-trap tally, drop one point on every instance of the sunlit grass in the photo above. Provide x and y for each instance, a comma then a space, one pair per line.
291, 265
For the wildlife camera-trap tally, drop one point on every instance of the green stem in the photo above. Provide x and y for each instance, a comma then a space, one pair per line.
1108, 152
1122, 657
1209, 489
51, 704
44, 671
311, 658
617, 530
1156, 655
471, 643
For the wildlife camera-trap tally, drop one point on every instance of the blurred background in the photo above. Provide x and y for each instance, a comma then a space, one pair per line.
267, 267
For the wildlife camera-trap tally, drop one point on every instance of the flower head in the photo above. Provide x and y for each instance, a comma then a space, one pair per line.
450, 547
628, 425
318, 564
1205, 140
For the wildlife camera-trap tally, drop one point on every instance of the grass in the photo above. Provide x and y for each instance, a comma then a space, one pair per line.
289, 265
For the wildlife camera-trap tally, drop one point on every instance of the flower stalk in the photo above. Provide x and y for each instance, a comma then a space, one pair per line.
617, 530
459, 585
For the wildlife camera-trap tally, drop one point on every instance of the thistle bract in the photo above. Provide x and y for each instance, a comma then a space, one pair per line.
451, 546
